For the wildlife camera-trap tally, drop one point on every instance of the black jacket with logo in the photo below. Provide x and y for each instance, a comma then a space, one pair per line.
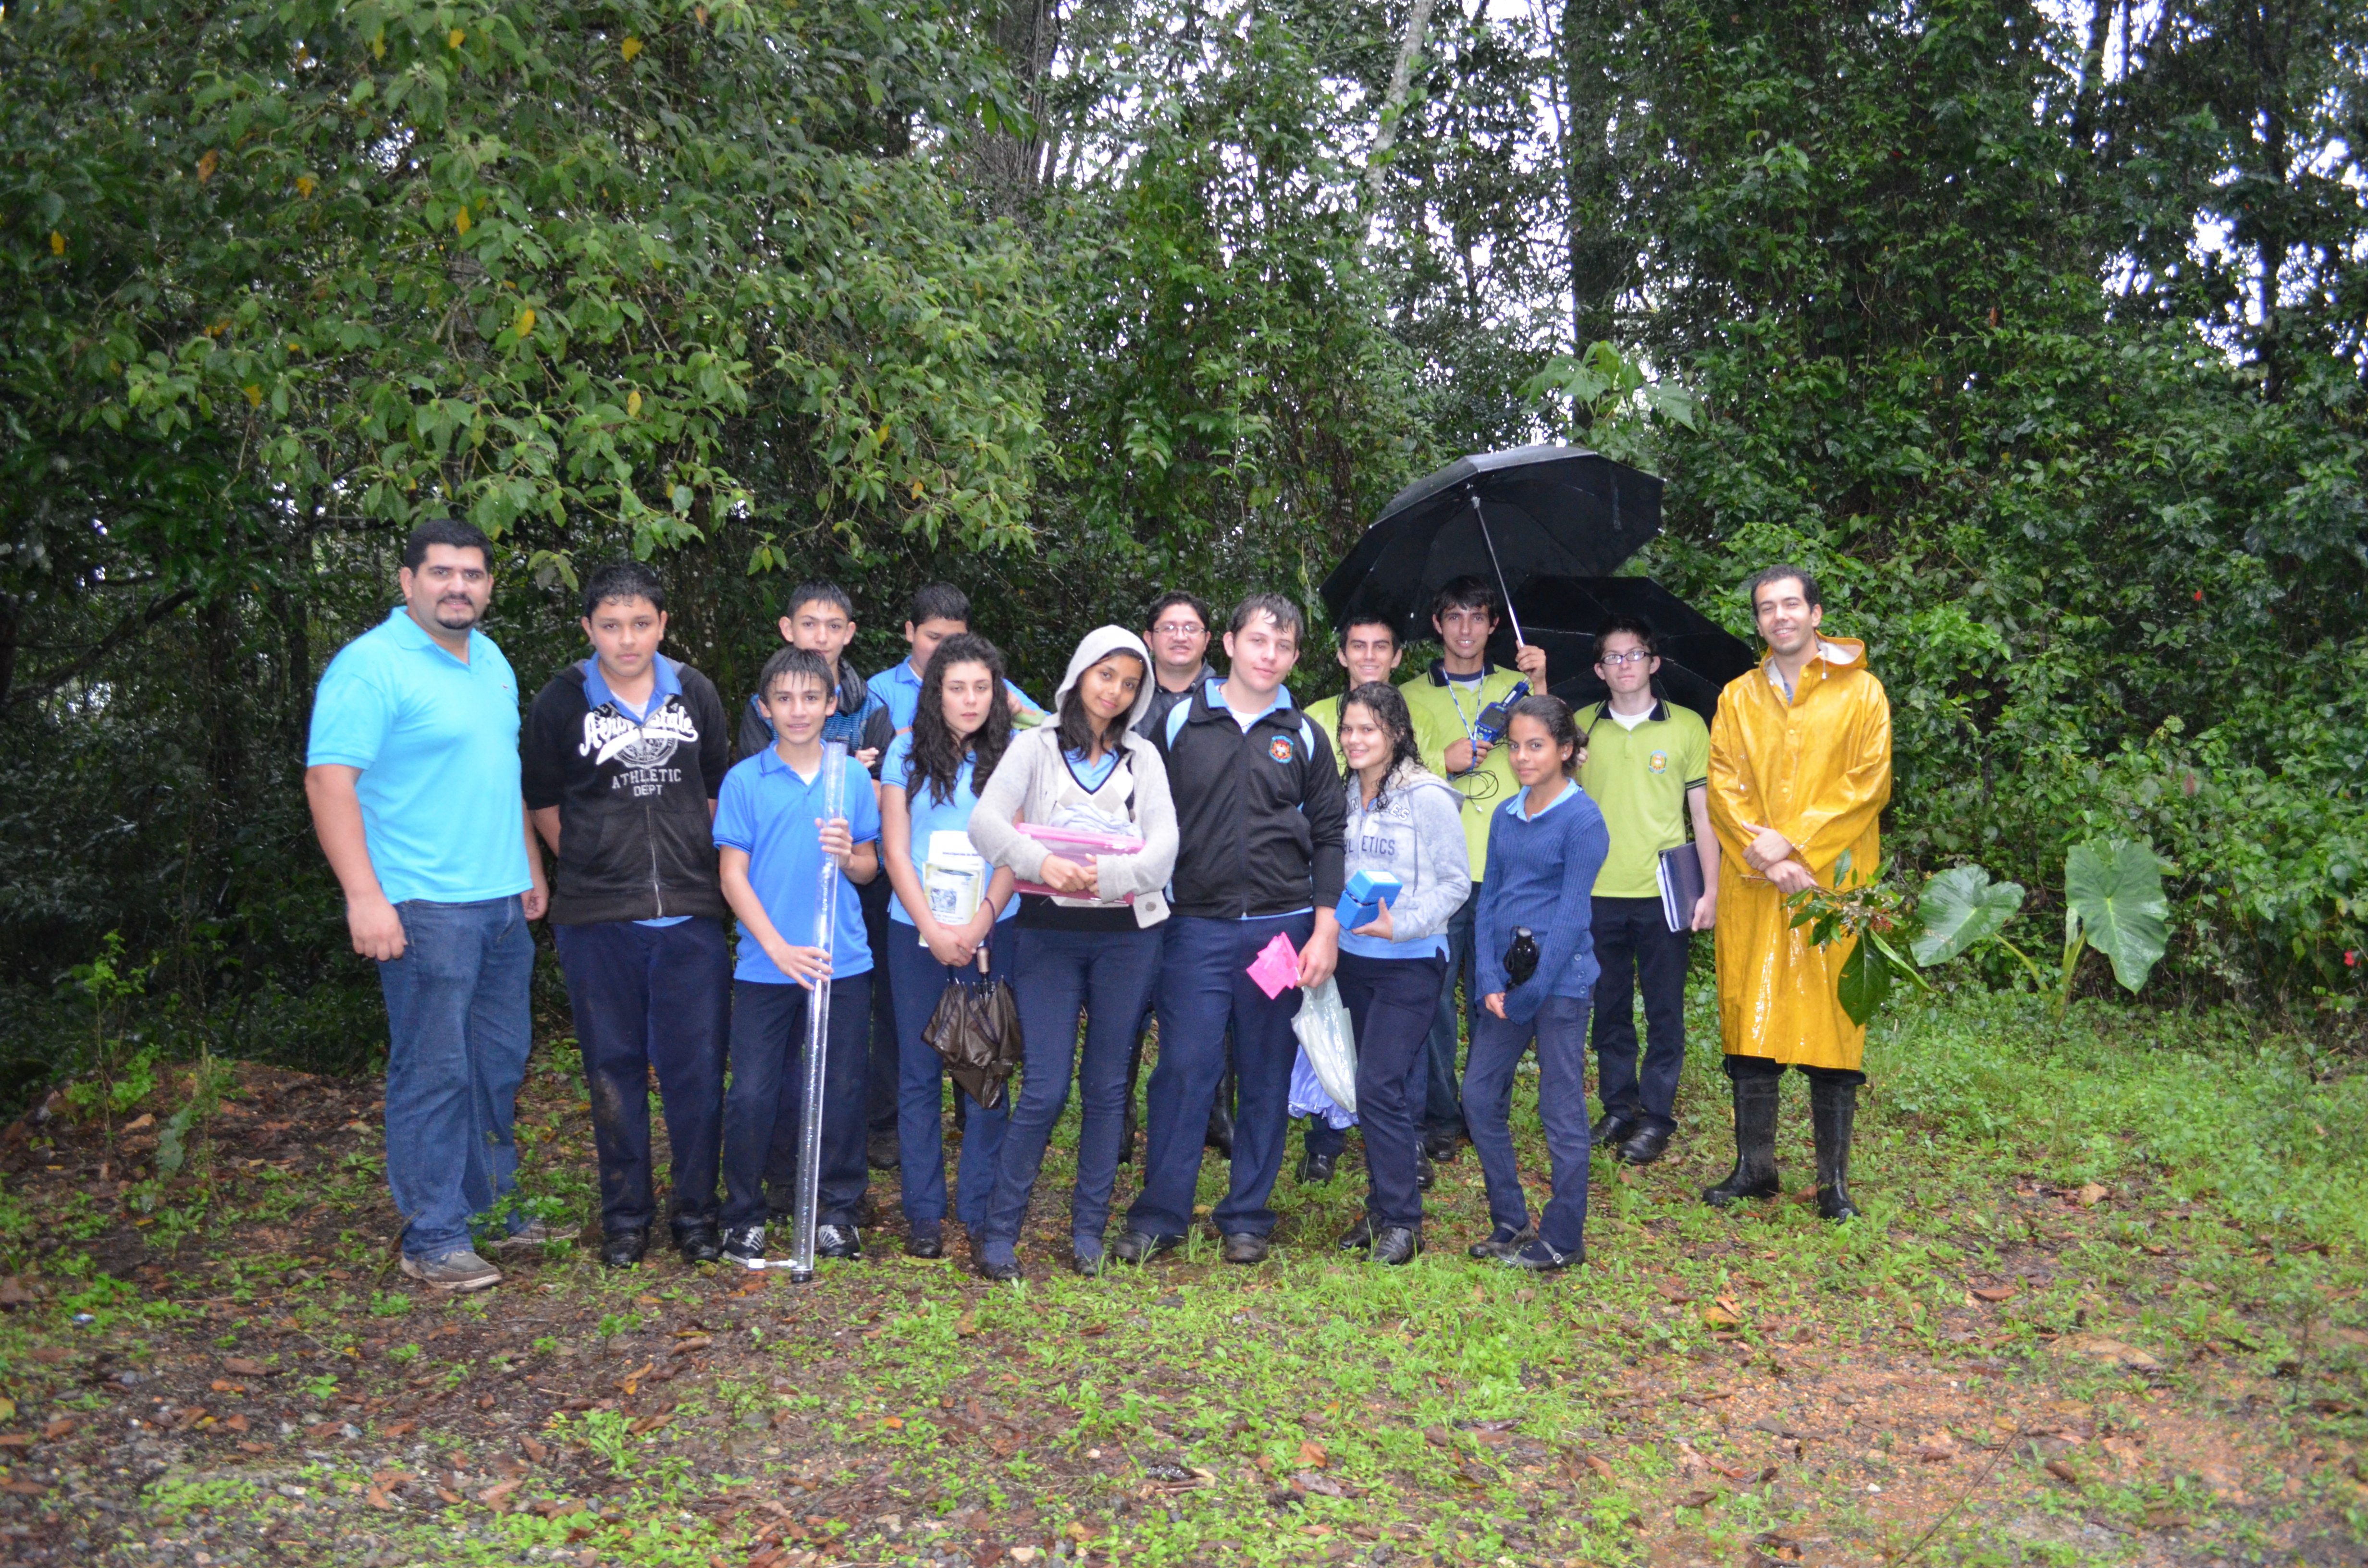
635, 835
1260, 813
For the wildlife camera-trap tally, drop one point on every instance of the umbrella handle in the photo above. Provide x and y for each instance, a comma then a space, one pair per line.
1482, 518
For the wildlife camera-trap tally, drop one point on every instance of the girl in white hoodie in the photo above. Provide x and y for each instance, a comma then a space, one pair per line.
1094, 947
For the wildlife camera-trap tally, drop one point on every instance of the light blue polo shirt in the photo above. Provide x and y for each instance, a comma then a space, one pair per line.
769, 811
437, 741
929, 817
900, 689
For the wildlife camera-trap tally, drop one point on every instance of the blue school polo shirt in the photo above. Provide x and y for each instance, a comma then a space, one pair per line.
929, 817
437, 741
769, 811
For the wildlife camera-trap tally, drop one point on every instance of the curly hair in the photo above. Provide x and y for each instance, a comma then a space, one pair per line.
1388, 707
938, 751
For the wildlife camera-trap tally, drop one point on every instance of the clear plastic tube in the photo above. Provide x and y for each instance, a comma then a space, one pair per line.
801, 1243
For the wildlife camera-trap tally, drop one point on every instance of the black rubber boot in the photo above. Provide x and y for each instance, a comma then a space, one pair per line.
1755, 1144
1130, 1122
1833, 1108
1220, 1135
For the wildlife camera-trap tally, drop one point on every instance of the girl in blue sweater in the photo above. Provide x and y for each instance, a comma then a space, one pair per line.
1545, 845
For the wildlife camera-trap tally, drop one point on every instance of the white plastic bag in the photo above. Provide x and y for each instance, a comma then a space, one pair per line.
1330, 1041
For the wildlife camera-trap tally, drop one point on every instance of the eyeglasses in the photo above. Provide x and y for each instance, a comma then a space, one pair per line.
1180, 628
1616, 660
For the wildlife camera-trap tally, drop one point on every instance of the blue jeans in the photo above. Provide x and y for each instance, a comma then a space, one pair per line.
917, 981
1390, 1002
766, 1100
651, 998
1498, 1048
458, 1029
1204, 983
1632, 941
1107, 976
1442, 1111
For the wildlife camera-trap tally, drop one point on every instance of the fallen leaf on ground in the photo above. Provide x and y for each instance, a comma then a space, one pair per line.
536, 1448
1995, 1292
241, 1367
2063, 1471
399, 1429
1696, 1500
50, 1354
2098, 1347
1311, 1452
1600, 1466
2092, 1193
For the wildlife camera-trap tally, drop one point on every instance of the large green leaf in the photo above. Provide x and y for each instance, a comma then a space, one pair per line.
2115, 886
1960, 907
1864, 982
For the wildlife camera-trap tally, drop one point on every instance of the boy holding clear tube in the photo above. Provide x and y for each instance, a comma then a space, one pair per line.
770, 830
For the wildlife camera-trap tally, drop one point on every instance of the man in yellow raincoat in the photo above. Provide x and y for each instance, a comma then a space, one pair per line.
1800, 768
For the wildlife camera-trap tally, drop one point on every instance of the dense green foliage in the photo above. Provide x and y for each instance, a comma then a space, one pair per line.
2039, 339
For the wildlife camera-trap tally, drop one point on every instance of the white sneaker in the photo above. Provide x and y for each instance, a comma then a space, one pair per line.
461, 1270
534, 1235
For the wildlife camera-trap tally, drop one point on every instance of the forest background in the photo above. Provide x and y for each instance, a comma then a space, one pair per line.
2037, 330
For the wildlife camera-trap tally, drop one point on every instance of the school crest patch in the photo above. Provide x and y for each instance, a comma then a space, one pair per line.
1657, 762
1278, 748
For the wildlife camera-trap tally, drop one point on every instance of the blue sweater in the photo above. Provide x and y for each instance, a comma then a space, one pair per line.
1542, 875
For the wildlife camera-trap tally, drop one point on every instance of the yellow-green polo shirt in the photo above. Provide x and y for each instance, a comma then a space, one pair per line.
1443, 714
1638, 779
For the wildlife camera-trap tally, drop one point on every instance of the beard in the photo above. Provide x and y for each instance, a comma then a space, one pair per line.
456, 614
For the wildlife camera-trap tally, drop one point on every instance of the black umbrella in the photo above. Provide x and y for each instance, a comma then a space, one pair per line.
1563, 614
1545, 511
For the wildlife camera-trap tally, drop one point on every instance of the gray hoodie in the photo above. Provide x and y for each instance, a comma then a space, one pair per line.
1034, 783
1414, 832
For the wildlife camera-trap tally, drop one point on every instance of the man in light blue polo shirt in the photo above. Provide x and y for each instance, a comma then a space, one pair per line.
412, 772
937, 610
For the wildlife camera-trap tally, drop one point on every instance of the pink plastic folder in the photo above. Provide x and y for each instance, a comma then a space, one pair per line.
1075, 844
1276, 969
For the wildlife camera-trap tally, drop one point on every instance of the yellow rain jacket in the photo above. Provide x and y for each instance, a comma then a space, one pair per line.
1817, 769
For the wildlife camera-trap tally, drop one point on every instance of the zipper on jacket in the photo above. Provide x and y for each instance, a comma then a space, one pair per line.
650, 833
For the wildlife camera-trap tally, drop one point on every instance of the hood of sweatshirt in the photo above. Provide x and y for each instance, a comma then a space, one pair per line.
1099, 645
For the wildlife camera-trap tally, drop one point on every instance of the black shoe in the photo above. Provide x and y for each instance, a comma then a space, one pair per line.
1315, 1167
1540, 1259
881, 1151
1501, 1241
1424, 1173
1396, 1244
1833, 1110
744, 1244
1610, 1129
1356, 1237
925, 1244
1754, 1145
1244, 1247
622, 1249
867, 1213
1441, 1146
1141, 1246
1645, 1144
999, 1272
838, 1241
1088, 1264
699, 1243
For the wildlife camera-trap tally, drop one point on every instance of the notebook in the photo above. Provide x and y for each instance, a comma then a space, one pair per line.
1681, 886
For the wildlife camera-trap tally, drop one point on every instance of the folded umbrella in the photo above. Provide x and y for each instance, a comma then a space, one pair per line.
976, 1029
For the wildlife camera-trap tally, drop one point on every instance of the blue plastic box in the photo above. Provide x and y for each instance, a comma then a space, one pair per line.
1361, 902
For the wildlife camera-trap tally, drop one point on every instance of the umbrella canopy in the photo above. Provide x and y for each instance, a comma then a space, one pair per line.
1545, 511
1562, 615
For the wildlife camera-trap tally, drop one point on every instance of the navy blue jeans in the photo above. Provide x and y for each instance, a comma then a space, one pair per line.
882, 1076
1204, 985
651, 997
1391, 1002
458, 1031
1498, 1047
1107, 976
765, 1101
1636, 947
918, 980
1443, 1110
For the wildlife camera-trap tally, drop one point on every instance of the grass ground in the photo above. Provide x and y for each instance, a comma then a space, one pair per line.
2104, 1306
